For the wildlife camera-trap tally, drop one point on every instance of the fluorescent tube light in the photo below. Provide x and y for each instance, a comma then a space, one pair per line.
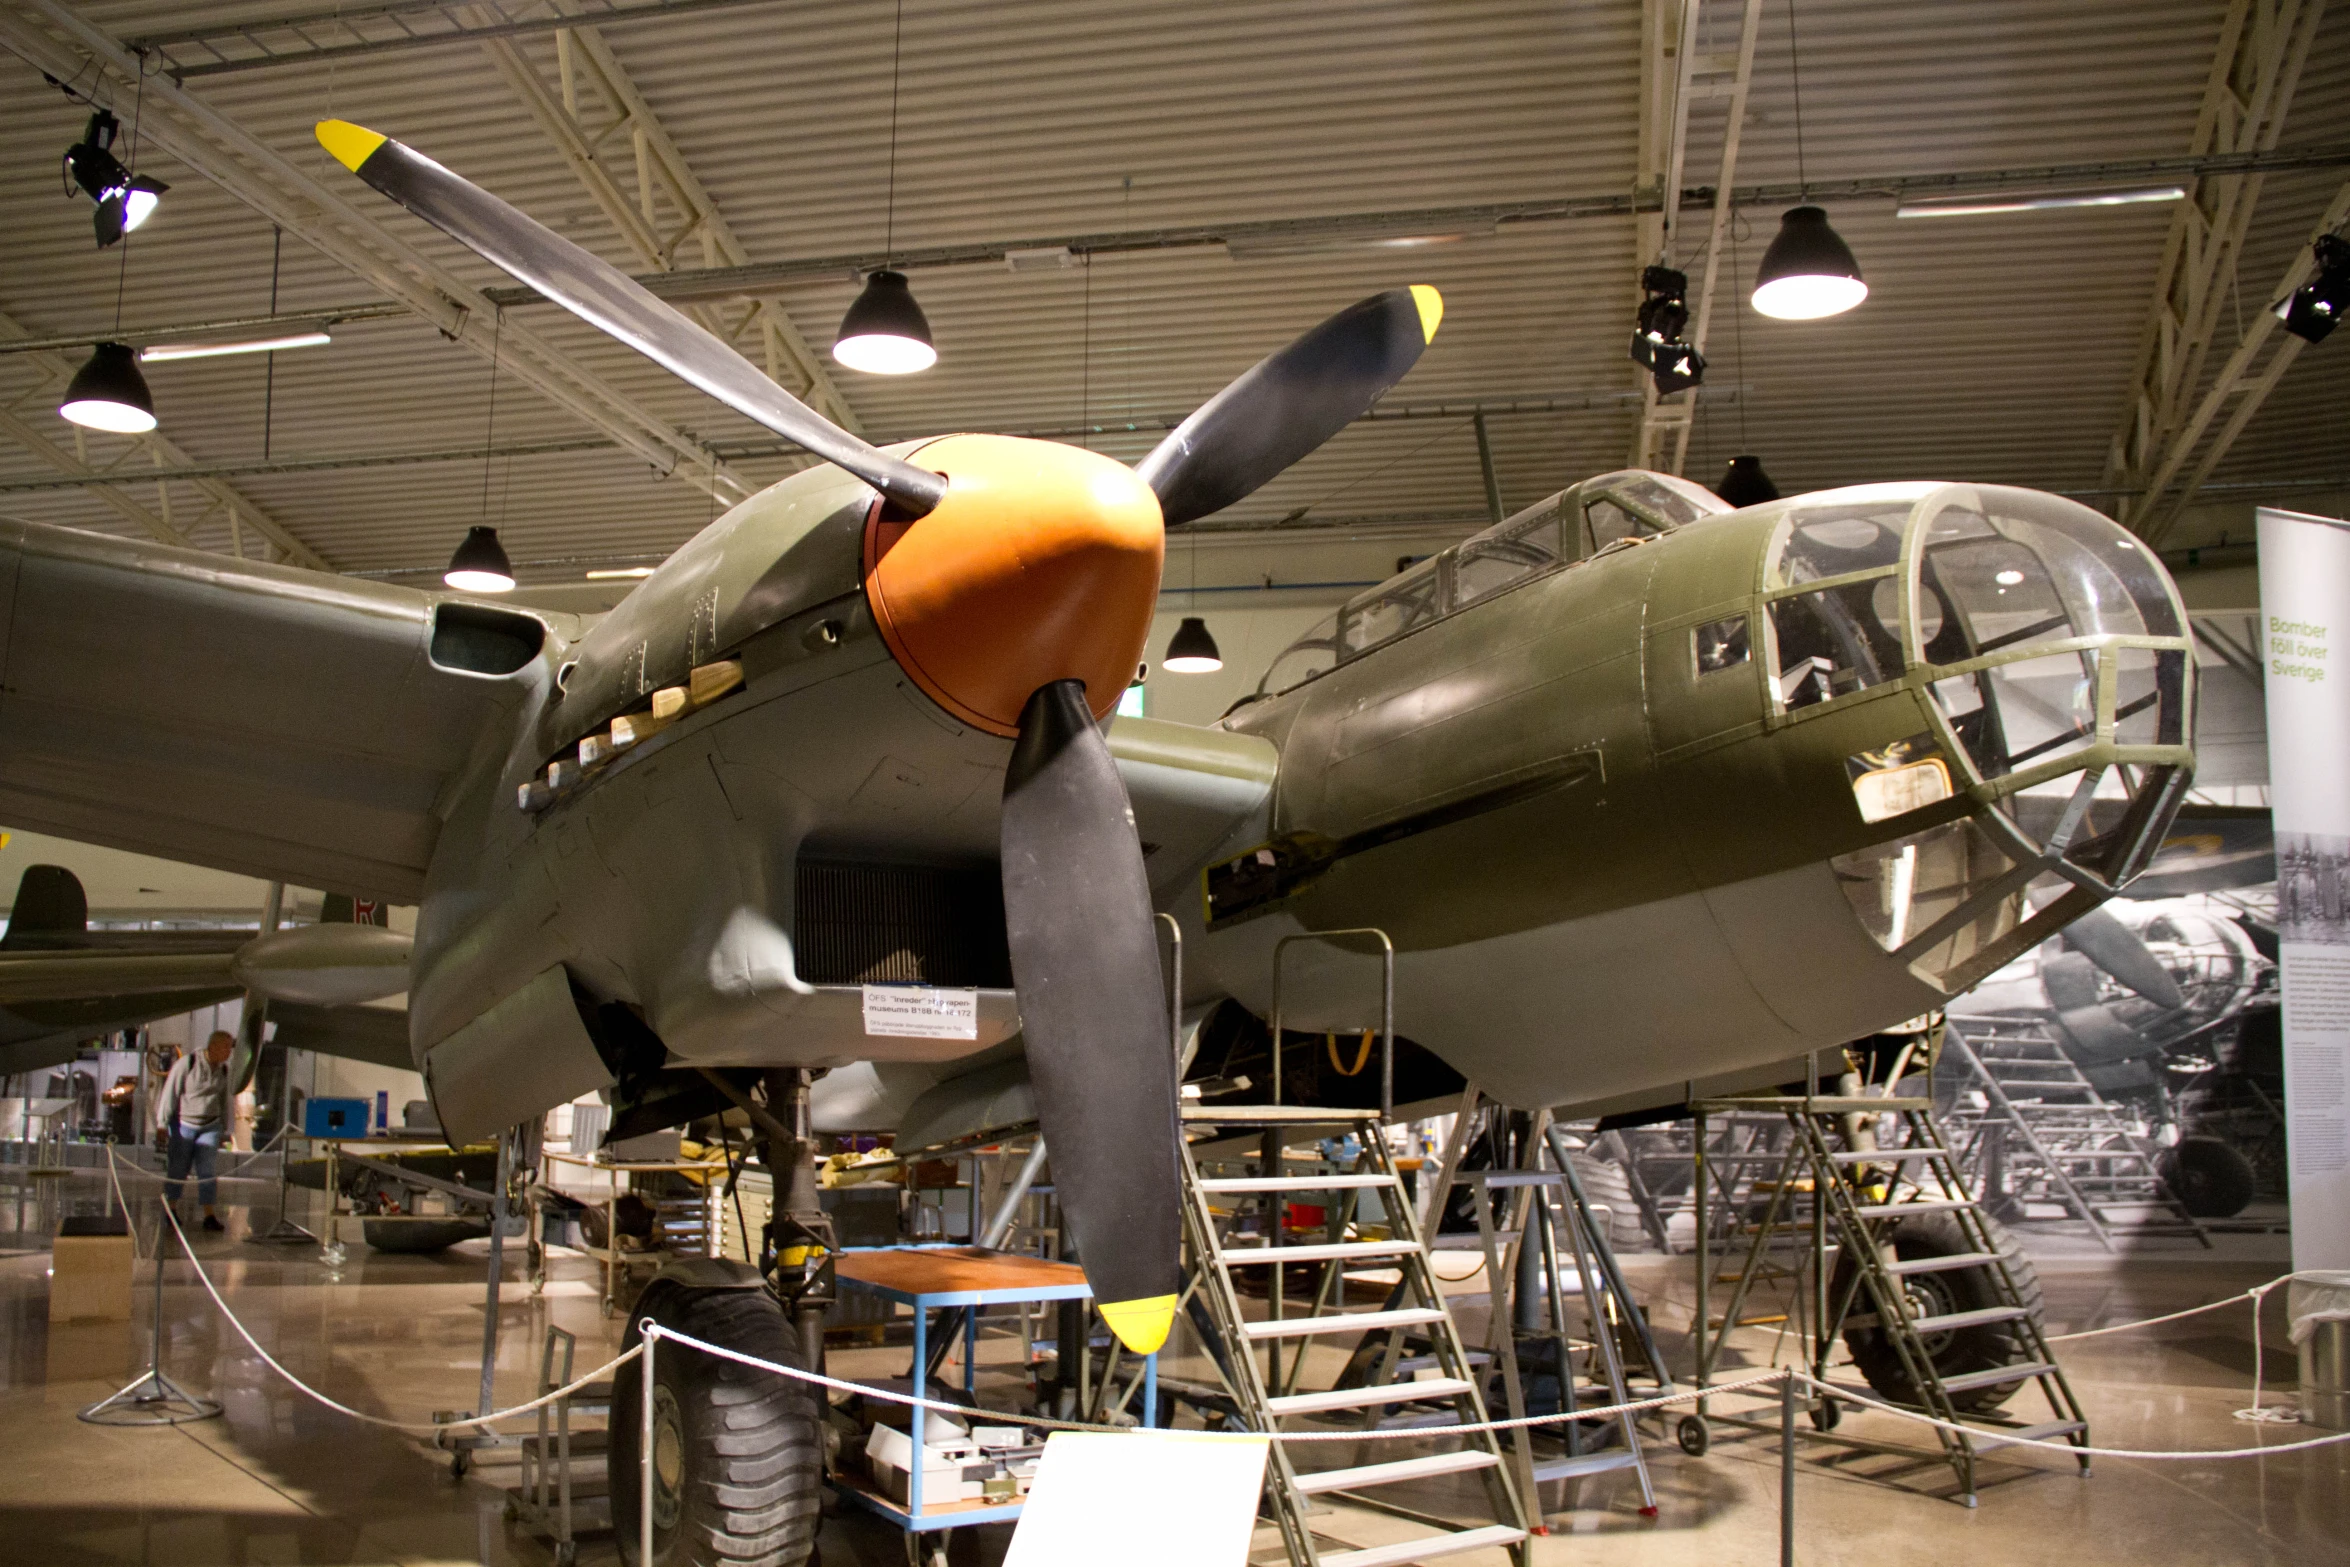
157, 353
1971, 206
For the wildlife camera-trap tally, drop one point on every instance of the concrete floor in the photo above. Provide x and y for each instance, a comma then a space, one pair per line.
280, 1479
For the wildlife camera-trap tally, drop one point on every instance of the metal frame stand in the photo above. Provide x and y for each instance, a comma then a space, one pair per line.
153, 1399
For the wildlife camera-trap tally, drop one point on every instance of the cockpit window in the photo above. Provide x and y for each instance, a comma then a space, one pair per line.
1508, 552
1835, 541
1671, 501
1407, 603
1605, 521
1312, 654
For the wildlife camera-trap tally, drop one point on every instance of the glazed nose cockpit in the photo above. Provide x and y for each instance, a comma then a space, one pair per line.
2049, 650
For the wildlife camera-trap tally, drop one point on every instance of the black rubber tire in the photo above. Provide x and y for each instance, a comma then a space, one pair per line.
1693, 1436
749, 1450
420, 1235
2211, 1178
1983, 1347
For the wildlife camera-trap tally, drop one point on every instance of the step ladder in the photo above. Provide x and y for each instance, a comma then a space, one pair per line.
1546, 1226
1233, 1228
2044, 1133
1837, 1189
566, 1485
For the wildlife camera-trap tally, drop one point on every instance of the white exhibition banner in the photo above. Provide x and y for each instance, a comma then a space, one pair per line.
921, 1012
2305, 619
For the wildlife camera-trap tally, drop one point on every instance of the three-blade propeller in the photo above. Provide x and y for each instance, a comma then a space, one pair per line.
1077, 904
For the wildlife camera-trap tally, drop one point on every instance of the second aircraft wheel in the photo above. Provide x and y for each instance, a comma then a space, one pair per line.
1826, 1414
1693, 1435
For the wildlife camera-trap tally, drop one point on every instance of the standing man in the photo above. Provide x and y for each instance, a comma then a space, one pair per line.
192, 1113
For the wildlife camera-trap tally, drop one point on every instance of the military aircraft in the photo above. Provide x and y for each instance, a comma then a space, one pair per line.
1643, 789
63, 984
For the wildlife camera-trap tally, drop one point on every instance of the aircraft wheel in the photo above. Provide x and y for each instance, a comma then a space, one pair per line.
1827, 1415
1983, 1347
2211, 1178
738, 1453
1693, 1436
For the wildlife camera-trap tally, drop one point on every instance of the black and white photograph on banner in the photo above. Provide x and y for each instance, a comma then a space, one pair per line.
907, 783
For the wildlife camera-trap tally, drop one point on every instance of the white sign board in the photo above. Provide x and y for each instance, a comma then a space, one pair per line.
2305, 621
921, 1012
1141, 1499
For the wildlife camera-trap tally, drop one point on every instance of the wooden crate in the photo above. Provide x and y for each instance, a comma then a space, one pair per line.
90, 1274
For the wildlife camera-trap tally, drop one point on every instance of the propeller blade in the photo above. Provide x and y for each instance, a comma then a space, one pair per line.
610, 300
1085, 961
1290, 402
2115, 948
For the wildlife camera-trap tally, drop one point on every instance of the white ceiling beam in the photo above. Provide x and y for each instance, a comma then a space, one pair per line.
1724, 211
2254, 70
1668, 51
2156, 512
54, 39
161, 452
670, 206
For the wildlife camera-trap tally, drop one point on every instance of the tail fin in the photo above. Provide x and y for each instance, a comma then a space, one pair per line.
49, 904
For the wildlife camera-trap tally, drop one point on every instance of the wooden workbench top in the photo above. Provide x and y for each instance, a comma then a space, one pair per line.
954, 1269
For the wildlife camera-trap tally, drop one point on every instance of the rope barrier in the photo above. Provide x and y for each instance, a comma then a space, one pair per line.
271, 1361
653, 1331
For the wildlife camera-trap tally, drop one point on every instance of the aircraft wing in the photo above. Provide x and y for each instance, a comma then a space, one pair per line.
285, 724
1193, 789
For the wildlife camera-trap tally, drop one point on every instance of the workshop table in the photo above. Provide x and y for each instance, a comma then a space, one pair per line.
931, 1278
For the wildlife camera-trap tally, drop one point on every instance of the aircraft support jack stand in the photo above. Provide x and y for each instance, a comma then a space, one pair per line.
800, 1246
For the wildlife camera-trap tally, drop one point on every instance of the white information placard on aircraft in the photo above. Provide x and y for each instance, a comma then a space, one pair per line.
2304, 615
921, 1012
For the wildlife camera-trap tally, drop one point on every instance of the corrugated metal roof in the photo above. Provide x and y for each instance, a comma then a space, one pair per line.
1996, 348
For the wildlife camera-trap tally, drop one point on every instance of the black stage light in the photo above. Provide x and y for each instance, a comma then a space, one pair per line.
108, 393
125, 200
2317, 306
1809, 271
480, 564
1657, 342
1744, 483
885, 332
1192, 651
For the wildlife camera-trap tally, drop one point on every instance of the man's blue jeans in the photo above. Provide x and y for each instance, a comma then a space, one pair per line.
192, 1145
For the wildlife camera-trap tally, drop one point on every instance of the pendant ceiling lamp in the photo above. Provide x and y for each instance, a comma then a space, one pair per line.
480, 564
1192, 650
1809, 271
885, 332
1744, 483
108, 393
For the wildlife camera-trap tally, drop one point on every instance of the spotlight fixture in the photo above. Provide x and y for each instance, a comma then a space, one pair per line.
108, 393
1744, 483
884, 332
158, 353
1658, 345
480, 564
125, 200
1192, 651
2317, 306
1808, 272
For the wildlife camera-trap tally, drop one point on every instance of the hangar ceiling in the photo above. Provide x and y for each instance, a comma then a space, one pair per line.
1193, 152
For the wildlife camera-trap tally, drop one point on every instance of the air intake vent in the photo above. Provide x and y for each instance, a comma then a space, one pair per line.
859, 923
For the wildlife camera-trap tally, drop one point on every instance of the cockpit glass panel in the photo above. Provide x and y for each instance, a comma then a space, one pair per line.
1674, 502
1834, 642
1506, 553
2042, 708
1605, 522
1834, 540
1411, 601
1312, 654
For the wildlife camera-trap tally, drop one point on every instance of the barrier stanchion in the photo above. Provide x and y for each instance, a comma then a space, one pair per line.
644, 1455
1787, 1470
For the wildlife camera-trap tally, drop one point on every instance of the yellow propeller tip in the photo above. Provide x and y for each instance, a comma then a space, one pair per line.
1141, 1325
1431, 305
353, 145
